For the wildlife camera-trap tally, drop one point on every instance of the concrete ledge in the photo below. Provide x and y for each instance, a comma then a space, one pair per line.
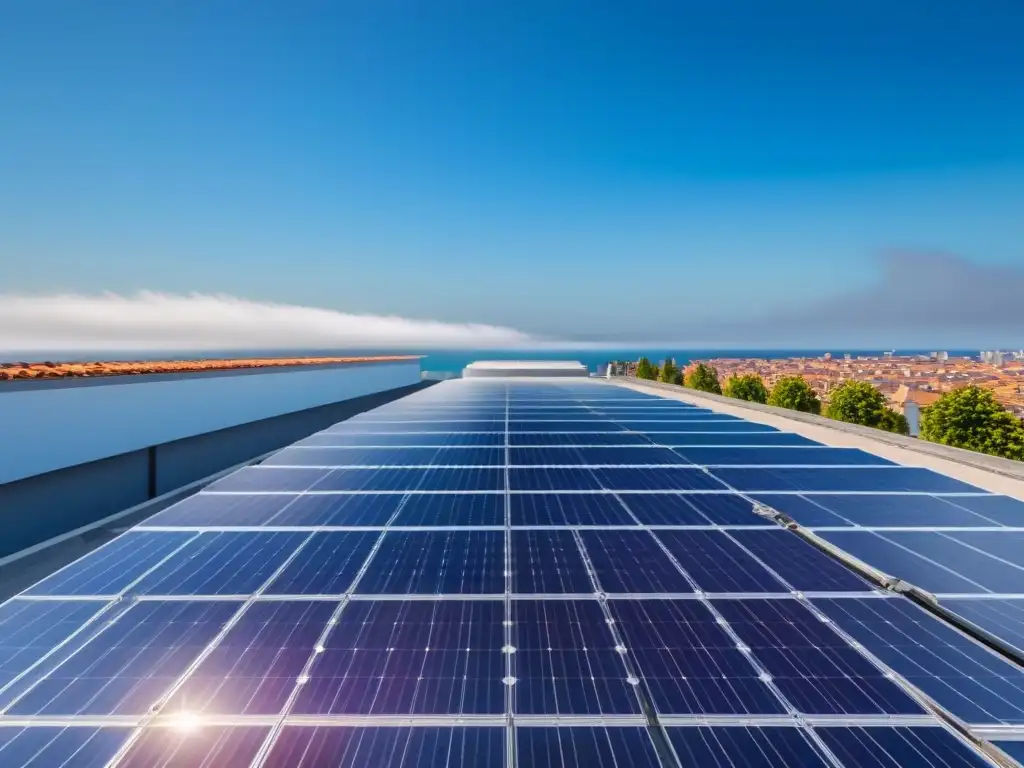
942, 458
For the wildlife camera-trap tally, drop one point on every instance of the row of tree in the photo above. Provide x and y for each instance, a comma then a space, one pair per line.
968, 417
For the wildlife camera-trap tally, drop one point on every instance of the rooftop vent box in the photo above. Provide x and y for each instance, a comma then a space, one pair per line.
493, 368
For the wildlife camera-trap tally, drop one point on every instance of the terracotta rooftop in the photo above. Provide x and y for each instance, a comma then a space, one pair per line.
50, 370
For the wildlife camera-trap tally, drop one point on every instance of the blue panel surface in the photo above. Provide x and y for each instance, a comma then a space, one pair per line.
912, 479
496, 439
548, 562
767, 439
802, 565
689, 664
1002, 617
260, 479
566, 662
222, 509
1005, 545
1001, 509
387, 457
873, 510
716, 563
990, 559
47, 746
579, 747
656, 479
398, 657
781, 456
1014, 749
440, 479
327, 565
552, 479
437, 563
445, 509
564, 426
634, 455
428, 747
253, 669
29, 630
887, 556
666, 430
632, 562
663, 509
226, 563
746, 747
128, 666
113, 568
369, 509
417, 427
814, 668
899, 748
206, 747
576, 438
567, 509
964, 677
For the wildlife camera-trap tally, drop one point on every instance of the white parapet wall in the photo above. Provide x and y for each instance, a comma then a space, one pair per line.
77, 421
497, 368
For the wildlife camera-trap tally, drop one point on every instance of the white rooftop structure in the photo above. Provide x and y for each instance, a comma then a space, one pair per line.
491, 368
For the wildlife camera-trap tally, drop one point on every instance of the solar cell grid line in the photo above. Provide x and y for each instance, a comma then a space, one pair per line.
568, 509
632, 562
157, 706
589, 745
386, 457
211, 746
1001, 617
716, 563
900, 747
387, 747
815, 668
568, 662
41, 746
689, 663
409, 658
965, 678
892, 558
787, 456
547, 562
865, 478
732, 746
414, 440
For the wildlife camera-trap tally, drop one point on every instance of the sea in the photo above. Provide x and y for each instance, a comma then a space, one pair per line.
452, 361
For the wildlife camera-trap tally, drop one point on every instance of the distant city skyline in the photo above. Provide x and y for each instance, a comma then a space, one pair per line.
727, 175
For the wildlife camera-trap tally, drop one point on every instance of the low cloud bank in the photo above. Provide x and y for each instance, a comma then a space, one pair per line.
159, 321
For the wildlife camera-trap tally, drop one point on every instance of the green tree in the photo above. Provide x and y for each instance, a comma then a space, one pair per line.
749, 387
856, 402
893, 421
669, 373
704, 378
971, 418
796, 394
645, 369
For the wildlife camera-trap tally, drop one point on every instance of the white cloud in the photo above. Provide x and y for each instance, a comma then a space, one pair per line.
160, 321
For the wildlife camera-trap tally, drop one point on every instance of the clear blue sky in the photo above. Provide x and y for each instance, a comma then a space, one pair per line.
663, 170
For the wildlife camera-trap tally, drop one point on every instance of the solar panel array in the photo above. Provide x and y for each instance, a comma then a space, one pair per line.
526, 573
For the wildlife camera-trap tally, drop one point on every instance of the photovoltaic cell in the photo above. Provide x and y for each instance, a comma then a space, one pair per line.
439, 439
817, 671
688, 662
566, 661
567, 509
1014, 749
440, 479
564, 426
43, 746
224, 563
661, 431
387, 457
577, 438
207, 747
781, 456
912, 479
768, 439
1003, 618
416, 427
615, 747
110, 569
222, 509
799, 563
1005, 545
692, 509
437, 562
269, 479
254, 668
874, 510
716, 563
889, 557
398, 657
429, 509
29, 630
552, 479
656, 479
749, 747
636, 455
328, 564
1002, 509
548, 562
369, 509
899, 748
632, 562
341, 747
964, 677
128, 666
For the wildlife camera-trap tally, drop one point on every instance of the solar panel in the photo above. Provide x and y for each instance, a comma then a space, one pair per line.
527, 573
